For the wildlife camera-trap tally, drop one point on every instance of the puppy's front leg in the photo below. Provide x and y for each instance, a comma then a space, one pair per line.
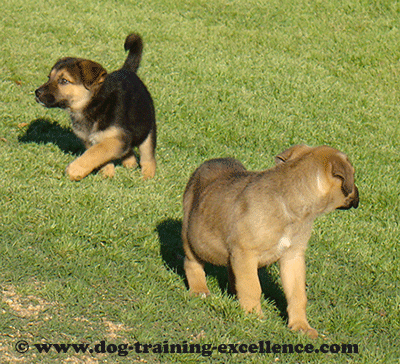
95, 157
108, 170
244, 267
293, 275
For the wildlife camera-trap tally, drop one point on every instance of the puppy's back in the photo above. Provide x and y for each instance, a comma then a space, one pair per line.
206, 174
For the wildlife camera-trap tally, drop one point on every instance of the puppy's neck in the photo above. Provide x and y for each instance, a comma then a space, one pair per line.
76, 115
78, 106
306, 195
81, 126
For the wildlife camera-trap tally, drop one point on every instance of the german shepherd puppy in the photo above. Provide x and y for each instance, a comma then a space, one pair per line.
110, 113
246, 220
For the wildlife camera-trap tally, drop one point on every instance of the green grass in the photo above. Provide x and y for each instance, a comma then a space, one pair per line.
101, 259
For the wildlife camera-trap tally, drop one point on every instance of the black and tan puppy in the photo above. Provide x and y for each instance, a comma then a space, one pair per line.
245, 220
111, 113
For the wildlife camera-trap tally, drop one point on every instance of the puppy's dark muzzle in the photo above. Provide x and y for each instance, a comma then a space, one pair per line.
353, 201
45, 98
39, 95
38, 92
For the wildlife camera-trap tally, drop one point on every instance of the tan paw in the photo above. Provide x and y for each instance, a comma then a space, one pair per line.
130, 162
76, 172
305, 328
148, 169
202, 293
251, 306
108, 170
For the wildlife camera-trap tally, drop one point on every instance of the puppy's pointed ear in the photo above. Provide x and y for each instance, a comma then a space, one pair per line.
292, 153
92, 74
341, 168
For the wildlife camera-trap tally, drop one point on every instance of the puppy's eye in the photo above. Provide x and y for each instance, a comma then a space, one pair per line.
63, 81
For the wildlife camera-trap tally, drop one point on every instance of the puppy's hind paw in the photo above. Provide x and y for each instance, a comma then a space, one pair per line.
148, 169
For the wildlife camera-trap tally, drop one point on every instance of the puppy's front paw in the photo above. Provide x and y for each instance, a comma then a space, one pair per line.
251, 306
130, 162
76, 172
305, 328
202, 293
108, 171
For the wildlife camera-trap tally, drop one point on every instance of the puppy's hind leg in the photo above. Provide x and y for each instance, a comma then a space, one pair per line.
147, 155
196, 277
194, 268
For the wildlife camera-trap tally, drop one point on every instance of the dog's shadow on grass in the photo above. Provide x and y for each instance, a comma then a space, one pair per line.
43, 131
169, 232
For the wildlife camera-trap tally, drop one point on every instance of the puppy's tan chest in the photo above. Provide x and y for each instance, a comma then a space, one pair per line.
283, 244
272, 253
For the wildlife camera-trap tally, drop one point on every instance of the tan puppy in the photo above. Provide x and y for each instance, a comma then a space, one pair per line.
245, 220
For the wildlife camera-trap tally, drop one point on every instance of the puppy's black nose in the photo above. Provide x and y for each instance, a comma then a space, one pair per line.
38, 92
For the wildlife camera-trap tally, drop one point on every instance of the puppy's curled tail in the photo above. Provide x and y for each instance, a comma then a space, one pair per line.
133, 44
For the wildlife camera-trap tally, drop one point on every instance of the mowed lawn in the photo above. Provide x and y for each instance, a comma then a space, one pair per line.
101, 260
